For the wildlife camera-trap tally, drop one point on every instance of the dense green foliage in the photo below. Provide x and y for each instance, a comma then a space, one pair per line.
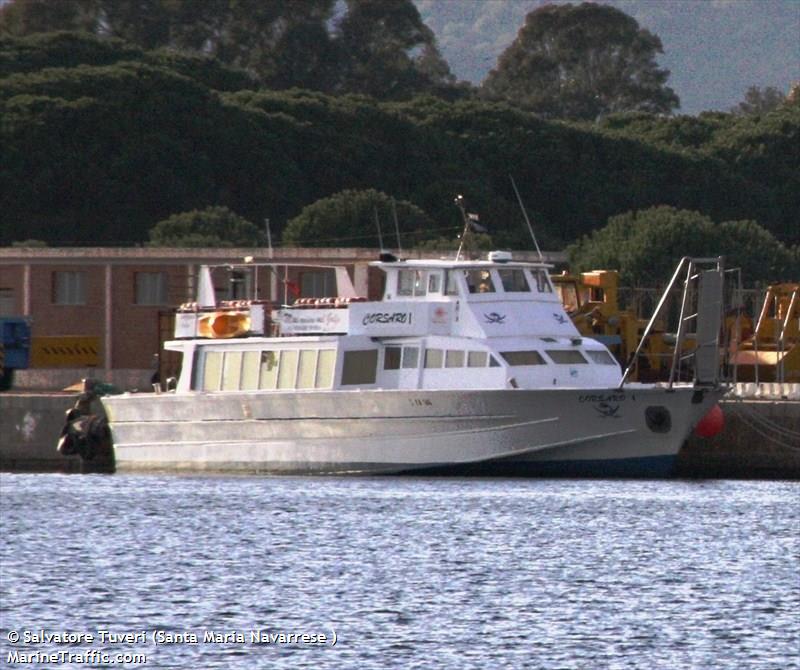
211, 227
646, 246
99, 150
582, 62
374, 46
358, 219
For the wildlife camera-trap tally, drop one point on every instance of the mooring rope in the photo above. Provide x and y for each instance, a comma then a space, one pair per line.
766, 428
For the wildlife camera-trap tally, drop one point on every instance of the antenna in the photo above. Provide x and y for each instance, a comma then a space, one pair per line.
397, 228
269, 236
527, 220
378, 226
459, 201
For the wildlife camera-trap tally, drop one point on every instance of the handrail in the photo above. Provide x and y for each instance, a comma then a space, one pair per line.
652, 321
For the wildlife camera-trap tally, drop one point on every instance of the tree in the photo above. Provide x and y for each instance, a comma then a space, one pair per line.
379, 47
375, 42
25, 17
210, 227
352, 218
582, 62
646, 246
759, 101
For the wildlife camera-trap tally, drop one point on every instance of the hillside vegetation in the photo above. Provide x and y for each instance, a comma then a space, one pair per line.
100, 140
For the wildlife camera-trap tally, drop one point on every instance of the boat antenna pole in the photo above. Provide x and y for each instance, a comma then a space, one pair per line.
378, 226
460, 204
397, 228
527, 220
269, 237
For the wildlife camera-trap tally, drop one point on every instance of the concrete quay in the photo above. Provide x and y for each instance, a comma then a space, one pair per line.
760, 440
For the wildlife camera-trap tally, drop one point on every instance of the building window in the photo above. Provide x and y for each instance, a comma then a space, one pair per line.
69, 288
151, 288
318, 284
6, 301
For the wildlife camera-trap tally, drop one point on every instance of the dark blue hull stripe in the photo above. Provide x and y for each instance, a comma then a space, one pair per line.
650, 466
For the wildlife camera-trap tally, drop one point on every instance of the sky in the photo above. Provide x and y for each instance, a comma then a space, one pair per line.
714, 49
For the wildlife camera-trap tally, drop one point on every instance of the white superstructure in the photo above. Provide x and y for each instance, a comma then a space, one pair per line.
463, 364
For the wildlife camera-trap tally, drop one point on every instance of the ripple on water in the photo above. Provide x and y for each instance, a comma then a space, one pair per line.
412, 572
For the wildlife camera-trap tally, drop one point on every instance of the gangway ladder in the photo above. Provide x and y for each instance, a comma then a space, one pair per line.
702, 291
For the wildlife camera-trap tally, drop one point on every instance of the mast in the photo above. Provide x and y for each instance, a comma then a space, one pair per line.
527, 220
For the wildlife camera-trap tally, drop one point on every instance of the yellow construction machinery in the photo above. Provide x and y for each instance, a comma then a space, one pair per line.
772, 352
592, 301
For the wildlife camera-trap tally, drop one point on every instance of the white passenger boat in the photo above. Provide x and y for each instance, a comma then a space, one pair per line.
463, 366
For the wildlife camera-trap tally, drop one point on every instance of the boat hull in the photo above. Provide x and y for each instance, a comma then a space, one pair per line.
602, 432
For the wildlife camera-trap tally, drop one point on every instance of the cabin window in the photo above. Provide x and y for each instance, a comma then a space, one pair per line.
410, 358
476, 359
69, 288
411, 282
326, 362
306, 369
566, 357
212, 370
568, 295
451, 283
232, 371
433, 358
601, 357
493, 362
479, 281
287, 370
543, 284
514, 280
405, 282
523, 357
391, 358
454, 359
434, 282
269, 370
250, 370
359, 367
420, 285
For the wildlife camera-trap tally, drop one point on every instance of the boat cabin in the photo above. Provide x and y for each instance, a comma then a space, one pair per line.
441, 324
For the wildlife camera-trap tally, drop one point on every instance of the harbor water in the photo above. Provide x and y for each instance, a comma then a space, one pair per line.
268, 572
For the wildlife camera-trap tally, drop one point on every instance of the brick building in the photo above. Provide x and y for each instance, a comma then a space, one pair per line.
104, 311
